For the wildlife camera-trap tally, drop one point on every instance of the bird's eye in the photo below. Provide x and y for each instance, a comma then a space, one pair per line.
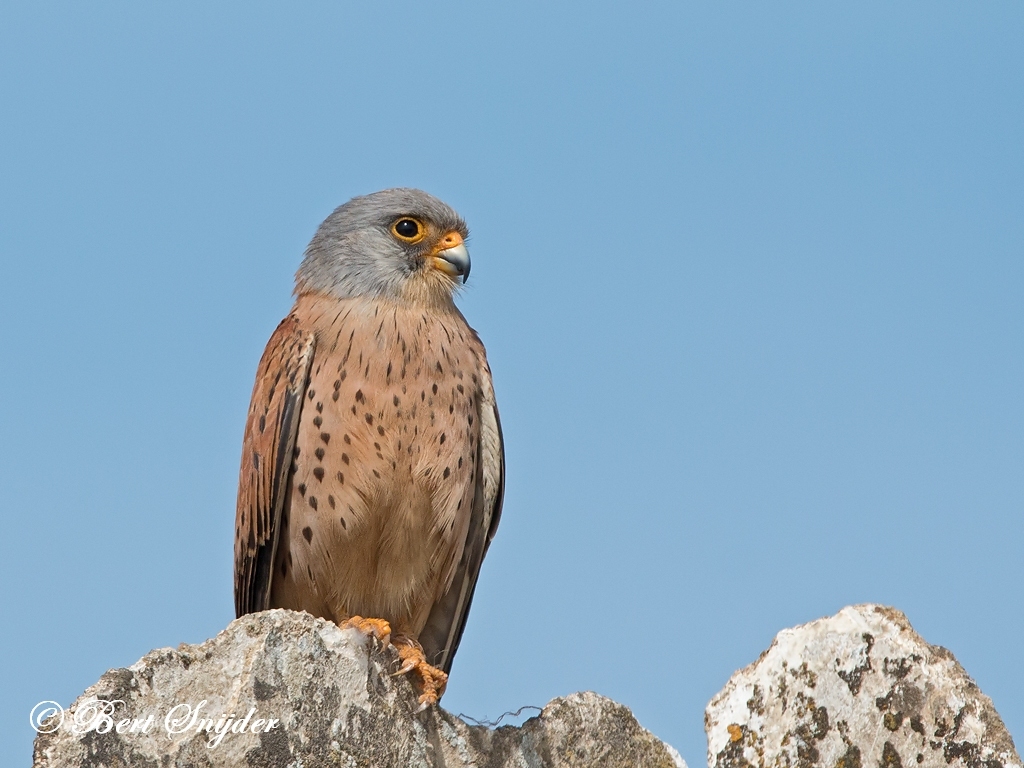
408, 230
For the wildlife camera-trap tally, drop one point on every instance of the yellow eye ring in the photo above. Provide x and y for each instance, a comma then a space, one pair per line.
409, 229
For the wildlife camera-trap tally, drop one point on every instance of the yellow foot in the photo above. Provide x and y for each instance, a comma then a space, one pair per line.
378, 628
429, 681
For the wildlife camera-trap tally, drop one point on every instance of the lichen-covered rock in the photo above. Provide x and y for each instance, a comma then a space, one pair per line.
858, 690
281, 688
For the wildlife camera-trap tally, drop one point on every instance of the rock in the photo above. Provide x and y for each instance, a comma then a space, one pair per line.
302, 692
858, 690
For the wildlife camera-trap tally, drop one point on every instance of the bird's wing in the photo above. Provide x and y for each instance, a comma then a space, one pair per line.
443, 631
267, 455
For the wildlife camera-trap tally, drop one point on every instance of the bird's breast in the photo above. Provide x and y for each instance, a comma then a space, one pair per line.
385, 467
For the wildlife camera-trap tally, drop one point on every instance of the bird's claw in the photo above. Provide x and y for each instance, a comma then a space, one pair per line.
429, 681
407, 666
376, 628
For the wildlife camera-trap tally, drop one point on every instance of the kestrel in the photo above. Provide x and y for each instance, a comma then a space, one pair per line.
372, 466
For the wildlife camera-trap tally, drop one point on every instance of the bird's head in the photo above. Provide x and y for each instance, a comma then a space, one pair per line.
401, 244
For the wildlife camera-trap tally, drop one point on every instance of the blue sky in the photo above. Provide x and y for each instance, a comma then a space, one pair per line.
750, 278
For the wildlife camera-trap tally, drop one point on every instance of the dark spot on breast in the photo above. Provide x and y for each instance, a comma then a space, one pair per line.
388, 373
342, 521
434, 389
369, 418
334, 396
359, 396
342, 375
302, 489
376, 446
319, 407
344, 457
460, 462
311, 394
459, 387
458, 506
447, 472
330, 500
438, 366
451, 409
263, 423
319, 454
317, 421
318, 473
341, 478
395, 400
376, 474
441, 441
312, 502
347, 439
337, 384
255, 460
307, 534
380, 431
326, 437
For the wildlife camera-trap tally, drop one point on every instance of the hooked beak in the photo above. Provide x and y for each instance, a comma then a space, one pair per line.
451, 257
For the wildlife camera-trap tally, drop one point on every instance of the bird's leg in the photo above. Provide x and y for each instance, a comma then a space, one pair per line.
378, 628
428, 681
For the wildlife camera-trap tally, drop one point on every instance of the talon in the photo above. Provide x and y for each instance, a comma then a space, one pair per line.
379, 629
408, 666
428, 681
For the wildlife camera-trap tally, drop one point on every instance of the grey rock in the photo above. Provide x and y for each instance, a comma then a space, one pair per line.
858, 690
335, 703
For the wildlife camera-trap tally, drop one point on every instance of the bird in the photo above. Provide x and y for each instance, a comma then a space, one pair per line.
373, 466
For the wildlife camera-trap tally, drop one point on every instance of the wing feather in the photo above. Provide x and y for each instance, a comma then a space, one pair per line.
267, 453
441, 636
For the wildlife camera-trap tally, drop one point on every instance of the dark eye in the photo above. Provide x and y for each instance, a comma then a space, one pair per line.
408, 229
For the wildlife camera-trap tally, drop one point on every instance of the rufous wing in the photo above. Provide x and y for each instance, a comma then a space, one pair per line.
267, 456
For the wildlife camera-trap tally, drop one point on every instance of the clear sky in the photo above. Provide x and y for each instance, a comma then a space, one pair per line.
750, 278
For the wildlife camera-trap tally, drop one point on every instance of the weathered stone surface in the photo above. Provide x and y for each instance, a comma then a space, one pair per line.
336, 703
858, 690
